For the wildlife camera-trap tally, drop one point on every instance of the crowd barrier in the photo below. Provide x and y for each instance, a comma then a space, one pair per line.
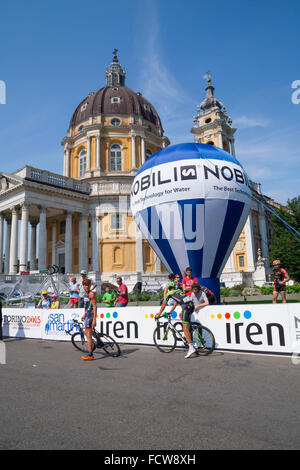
250, 328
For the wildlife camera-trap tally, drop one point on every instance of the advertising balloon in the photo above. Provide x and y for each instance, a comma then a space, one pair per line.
191, 202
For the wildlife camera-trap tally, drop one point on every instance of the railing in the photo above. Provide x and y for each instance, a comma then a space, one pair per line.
109, 188
53, 179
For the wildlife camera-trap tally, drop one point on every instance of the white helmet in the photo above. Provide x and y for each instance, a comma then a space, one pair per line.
83, 272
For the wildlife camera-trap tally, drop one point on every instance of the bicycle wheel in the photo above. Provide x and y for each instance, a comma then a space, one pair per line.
203, 339
165, 341
80, 342
110, 346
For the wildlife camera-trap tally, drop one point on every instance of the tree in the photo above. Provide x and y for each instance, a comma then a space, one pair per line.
284, 245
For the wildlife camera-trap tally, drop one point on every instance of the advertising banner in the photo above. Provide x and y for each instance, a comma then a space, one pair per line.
254, 328
22, 323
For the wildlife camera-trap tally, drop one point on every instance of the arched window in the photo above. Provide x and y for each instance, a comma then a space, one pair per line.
117, 256
115, 158
82, 162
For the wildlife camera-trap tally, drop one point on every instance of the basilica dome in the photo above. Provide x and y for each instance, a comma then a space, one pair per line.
116, 99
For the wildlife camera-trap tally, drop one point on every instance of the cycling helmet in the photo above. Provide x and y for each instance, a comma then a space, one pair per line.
276, 262
44, 292
171, 285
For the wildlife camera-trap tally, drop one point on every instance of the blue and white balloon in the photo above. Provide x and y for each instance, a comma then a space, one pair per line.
191, 202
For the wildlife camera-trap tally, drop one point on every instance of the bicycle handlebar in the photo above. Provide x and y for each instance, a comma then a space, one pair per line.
165, 315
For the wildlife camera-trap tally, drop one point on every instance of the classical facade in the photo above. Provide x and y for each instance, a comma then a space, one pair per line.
81, 220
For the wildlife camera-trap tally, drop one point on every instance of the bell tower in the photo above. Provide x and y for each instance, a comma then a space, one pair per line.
212, 125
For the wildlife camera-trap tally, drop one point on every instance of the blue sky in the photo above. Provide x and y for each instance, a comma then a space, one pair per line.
54, 53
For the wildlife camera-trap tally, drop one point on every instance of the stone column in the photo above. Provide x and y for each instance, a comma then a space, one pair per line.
157, 265
33, 246
24, 238
139, 252
232, 148
220, 140
53, 258
68, 244
67, 162
143, 150
95, 246
250, 244
133, 155
83, 242
42, 249
7, 246
88, 154
1, 241
13, 259
98, 155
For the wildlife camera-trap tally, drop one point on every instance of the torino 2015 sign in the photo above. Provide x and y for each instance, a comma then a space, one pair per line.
191, 202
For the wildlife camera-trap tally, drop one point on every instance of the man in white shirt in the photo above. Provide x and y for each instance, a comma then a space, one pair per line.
198, 297
83, 275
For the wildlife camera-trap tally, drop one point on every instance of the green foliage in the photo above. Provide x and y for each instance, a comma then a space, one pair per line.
284, 245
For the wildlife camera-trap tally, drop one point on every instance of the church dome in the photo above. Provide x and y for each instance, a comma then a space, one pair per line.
115, 99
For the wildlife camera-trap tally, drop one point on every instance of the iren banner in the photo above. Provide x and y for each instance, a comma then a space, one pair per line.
253, 328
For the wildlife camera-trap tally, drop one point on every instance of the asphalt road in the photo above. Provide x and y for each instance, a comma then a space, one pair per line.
51, 399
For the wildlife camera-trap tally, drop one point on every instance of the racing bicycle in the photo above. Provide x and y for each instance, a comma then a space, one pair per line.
100, 340
166, 336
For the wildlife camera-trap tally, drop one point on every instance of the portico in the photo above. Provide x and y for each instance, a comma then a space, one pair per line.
34, 204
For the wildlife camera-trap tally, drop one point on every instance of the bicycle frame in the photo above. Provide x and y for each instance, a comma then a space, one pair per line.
78, 327
169, 326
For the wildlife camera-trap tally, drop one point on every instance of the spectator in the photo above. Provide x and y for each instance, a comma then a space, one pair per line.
74, 290
109, 297
178, 284
122, 299
210, 295
45, 301
198, 297
55, 301
83, 275
187, 281
281, 277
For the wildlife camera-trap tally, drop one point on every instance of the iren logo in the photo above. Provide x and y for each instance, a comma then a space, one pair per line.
119, 329
255, 333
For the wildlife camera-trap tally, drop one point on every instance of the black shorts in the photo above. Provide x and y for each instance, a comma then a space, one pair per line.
187, 311
279, 288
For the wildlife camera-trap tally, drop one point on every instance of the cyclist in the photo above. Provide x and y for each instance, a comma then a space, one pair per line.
187, 306
89, 317
280, 279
